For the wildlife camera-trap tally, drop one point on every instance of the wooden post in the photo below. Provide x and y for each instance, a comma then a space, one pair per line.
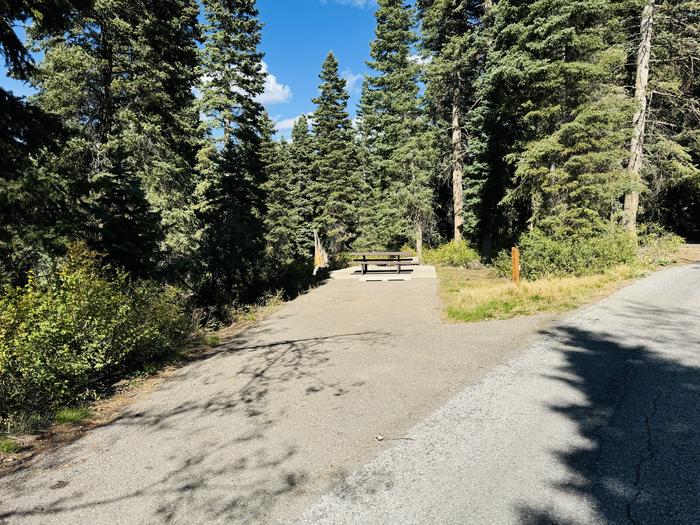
515, 257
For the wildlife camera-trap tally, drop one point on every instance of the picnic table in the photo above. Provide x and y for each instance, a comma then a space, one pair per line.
396, 259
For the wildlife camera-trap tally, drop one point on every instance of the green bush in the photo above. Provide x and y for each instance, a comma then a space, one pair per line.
657, 247
502, 264
64, 333
457, 254
584, 253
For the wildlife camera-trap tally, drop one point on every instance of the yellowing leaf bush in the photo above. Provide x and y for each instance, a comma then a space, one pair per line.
64, 333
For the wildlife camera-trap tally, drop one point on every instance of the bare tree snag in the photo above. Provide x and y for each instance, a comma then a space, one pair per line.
640, 117
457, 166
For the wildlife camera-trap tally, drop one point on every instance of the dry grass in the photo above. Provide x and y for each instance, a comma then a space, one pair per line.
476, 295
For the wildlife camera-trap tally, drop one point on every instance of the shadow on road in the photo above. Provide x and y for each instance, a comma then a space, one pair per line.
640, 415
197, 469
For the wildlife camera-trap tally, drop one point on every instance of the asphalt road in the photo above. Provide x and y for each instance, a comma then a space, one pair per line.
260, 430
596, 419
596, 423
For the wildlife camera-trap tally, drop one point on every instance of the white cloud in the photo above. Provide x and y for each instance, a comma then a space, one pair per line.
420, 60
354, 80
288, 123
275, 92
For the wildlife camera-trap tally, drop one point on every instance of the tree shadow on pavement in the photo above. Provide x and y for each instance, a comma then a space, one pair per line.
198, 471
640, 415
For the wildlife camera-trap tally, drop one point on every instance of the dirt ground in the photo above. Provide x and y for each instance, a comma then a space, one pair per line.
689, 253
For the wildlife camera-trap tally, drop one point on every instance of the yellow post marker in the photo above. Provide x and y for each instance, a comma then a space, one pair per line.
515, 258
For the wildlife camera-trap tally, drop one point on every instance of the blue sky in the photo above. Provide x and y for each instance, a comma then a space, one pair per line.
296, 38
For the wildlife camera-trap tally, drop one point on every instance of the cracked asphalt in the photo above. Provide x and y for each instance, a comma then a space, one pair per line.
598, 422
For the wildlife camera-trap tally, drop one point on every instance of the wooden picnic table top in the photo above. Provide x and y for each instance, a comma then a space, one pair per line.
382, 254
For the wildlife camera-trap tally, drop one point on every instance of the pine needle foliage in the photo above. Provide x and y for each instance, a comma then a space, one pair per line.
392, 131
336, 187
230, 163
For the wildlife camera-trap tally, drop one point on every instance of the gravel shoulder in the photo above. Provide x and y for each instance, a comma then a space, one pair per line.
282, 414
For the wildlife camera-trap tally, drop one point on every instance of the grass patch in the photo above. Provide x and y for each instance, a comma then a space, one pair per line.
8, 445
72, 415
211, 340
477, 295
254, 312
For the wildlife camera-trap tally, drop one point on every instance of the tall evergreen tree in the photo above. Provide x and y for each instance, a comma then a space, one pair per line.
554, 67
636, 160
38, 207
670, 170
121, 78
231, 162
301, 160
289, 236
451, 44
336, 185
390, 118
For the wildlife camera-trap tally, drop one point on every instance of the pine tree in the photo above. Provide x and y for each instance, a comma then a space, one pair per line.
631, 203
38, 206
121, 78
231, 162
162, 101
575, 177
335, 185
287, 232
390, 119
452, 45
671, 168
301, 160
542, 81
282, 219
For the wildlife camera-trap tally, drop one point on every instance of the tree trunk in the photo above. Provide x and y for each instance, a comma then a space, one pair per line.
640, 117
457, 167
419, 241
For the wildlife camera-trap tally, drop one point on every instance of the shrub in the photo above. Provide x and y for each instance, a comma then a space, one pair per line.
63, 334
458, 254
657, 247
502, 264
584, 253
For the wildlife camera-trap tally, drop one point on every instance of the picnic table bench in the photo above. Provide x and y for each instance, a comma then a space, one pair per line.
397, 259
